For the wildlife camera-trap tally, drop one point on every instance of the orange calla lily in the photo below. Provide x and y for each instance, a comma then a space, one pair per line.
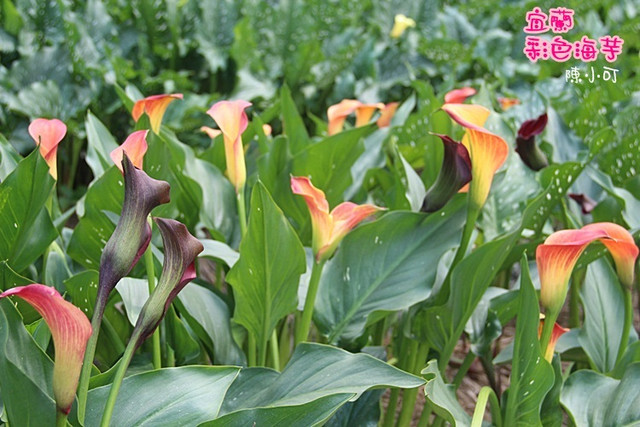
70, 330
48, 134
458, 96
135, 146
387, 114
487, 151
364, 112
232, 121
558, 255
154, 106
556, 333
506, 103
329, 228
338, 113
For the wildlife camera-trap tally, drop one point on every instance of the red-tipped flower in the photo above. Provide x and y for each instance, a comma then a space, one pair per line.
329, 228
70, 330
458, 96
232, 121
155, 107
526, 146
135, 146
556, 333
506, 103
561, 250
48, 134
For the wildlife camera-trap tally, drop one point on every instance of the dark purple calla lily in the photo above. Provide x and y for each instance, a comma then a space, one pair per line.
526, 146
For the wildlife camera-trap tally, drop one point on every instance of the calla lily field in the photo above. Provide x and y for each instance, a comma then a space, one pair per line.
305, 213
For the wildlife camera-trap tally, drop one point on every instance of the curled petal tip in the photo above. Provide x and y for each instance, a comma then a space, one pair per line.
135, 146
533, 127
506, 103
458, 96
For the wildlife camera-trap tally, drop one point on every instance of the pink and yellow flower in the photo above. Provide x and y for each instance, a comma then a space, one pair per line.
506, 103
487, 151
558, 255
135, 146
155, 107
232, 121
556, 333
70, 330
329, 228
338, 113
48, 134
387, 114
458, 96
211, 132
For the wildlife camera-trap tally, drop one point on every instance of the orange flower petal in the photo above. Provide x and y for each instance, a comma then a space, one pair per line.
487, 152
347, 215
135, 146
387, 114
70, 330
506, 103
155, 107
622, 247
458, 96
321, 221
338, 113
48, 134
468, 115
213, 133
365, 111
556, 333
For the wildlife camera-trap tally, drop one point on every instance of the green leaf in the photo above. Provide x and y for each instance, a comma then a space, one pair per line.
415, 190
443, 398
603, 304
171, 396
364, 412
26, 373
26, 228
100, 143
208, 316
314, 373
9, 158
134, 293
531, 375
614, 402
218, 250
389, 264
292, 122
182, 339
11, 279
265, 278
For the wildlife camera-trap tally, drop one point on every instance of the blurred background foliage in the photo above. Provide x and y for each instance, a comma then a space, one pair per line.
63, 58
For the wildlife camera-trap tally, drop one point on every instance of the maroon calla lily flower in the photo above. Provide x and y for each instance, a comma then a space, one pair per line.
70, 330
454, 174
180, 252
526, 146
587, 204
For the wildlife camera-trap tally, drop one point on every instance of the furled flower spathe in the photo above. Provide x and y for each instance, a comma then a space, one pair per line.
556, 333
47, 134
400, 24
155, 107
70, 330
232, 121
526, 146
338, 113
329, 228
135, 146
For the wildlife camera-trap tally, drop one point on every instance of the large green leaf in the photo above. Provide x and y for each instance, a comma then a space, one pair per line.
592, 399
292, 122
314, 373
603, 304
531, 375
265, 278
443, 397
26, 373
26, 229
389, 264
165, 397
100, 143
9, 158
208, 315
218, 250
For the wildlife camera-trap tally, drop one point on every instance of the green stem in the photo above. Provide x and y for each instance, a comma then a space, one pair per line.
486, 394
426, 413
547, 328
490, 372
409, 395
242, 214
61, 418
151, 280
472, 216
466, 364
275, 350
251, 349
628, 321
117, 379
285, 344
389, 416
302, 331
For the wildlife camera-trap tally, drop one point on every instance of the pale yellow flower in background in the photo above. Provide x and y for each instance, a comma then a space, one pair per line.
400, 24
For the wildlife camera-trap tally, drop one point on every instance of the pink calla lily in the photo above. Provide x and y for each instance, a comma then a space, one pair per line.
154, 106
48, 134
135, 146
458, 96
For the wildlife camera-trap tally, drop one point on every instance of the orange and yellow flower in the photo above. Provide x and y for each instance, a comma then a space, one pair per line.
338, 113
329, 228
458, 96
487, 151
232, 121
48, 134
556, 333
558, 255
135, 146
506, 103
70, 330
155, 107
387, 114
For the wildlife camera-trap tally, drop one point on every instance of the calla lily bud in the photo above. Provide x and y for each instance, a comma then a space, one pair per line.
155, 107
329, 228
586, 203
232, 121
133, 233
454, 174
48, 134
458, 96
400, 24
70, 330
180, 252
556, 333
526, 146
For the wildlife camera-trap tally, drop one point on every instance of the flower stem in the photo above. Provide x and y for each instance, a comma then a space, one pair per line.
628, 321
464, 368
151, 279
409, 395
117, 379
486, 394
275, 351
302, 331
547, 329
242, 214
472, 216
61, 418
